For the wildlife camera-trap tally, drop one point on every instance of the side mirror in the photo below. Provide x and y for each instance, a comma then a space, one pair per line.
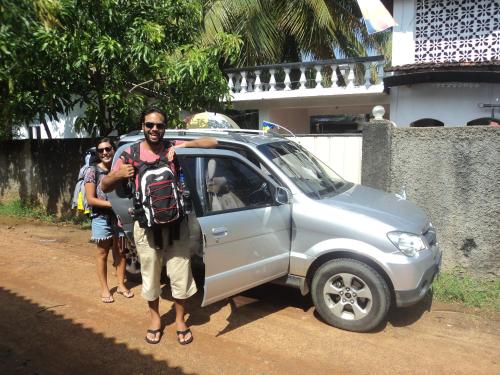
283, 195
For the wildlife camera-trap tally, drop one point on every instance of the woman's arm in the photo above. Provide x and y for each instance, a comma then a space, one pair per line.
92, 200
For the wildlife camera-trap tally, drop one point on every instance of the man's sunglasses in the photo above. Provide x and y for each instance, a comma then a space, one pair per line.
101, 150
151, 125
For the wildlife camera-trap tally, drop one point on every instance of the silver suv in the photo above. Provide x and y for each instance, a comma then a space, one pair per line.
264, 209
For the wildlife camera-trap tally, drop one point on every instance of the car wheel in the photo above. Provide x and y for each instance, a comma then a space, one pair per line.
350, 295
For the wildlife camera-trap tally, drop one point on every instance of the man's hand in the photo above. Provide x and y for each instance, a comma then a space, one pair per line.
125, 171
171, 153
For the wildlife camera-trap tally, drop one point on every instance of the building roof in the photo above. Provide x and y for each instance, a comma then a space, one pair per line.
480, 71
465, 65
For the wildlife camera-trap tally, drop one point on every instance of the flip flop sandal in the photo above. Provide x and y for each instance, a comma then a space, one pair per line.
154, 332
184, 333
125, 293
107, 299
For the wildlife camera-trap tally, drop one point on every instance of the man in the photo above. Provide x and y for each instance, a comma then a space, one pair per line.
177, 259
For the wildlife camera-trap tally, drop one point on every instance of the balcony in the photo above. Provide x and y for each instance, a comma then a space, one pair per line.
307, 79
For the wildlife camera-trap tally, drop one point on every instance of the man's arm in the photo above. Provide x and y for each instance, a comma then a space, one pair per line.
206, 142
120, 171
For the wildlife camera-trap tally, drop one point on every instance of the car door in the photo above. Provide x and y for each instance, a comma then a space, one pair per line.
246, 233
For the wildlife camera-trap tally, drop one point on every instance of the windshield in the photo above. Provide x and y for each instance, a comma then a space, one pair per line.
310, 174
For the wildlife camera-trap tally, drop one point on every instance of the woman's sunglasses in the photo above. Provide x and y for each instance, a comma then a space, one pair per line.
151, 125
104, 149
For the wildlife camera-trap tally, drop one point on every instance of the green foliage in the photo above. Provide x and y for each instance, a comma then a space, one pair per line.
92, 53
289, 30
18, 209
457, 286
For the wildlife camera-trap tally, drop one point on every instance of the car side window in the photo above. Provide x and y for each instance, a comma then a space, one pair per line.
232, 185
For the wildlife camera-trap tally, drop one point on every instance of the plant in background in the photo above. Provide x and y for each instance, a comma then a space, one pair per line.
67, 53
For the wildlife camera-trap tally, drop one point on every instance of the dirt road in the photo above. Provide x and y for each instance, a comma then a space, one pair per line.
52, 322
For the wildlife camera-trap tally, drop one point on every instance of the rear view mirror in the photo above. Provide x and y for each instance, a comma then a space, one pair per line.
283, 195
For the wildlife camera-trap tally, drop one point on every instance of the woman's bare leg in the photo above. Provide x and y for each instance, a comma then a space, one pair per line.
102, 268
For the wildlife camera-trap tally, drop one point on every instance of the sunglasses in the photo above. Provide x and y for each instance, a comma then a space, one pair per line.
104, 149
151, 125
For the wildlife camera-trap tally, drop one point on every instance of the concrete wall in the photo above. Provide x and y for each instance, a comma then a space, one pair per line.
41, 171
454, 174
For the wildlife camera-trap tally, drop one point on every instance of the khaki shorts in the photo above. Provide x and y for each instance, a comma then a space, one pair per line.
174, 256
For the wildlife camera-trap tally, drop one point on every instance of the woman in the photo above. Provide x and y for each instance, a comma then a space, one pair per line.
105, 231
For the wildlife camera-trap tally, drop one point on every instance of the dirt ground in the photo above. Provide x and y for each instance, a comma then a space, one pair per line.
52, 322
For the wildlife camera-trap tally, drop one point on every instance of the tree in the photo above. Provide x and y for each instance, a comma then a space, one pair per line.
98, 50
290, 30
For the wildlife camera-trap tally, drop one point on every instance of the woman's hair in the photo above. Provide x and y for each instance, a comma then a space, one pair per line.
105, 140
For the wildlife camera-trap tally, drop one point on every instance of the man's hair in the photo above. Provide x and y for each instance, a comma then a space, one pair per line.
150, 110
105, 140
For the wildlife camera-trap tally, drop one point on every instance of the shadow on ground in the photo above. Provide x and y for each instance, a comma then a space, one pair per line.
268, 299
36, 340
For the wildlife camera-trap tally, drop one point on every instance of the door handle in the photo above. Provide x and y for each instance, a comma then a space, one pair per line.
219, 232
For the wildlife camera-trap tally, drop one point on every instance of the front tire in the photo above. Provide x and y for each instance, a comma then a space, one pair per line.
350, 295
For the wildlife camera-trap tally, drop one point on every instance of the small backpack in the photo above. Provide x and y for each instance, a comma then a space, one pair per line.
158, 201
79, 200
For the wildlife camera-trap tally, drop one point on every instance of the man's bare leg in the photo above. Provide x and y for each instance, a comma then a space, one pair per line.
180, 322
155, 321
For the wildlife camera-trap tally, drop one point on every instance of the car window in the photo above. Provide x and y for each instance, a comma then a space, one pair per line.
308, 173
228, 184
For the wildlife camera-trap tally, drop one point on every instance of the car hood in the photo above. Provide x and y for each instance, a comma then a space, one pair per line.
378, 205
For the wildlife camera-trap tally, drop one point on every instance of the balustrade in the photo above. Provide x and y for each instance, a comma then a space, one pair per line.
339, 76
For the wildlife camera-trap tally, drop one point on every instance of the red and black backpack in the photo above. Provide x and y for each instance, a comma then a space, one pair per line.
158, 200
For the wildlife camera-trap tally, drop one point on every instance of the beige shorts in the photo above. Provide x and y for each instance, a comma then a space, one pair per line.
175, 257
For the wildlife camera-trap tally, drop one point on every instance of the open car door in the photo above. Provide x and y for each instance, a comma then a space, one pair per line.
246, 232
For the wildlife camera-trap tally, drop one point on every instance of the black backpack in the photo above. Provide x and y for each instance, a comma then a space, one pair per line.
158, 201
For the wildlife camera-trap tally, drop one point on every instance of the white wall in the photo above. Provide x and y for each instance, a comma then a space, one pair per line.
64, 128
454, 106
341, 153
403, 51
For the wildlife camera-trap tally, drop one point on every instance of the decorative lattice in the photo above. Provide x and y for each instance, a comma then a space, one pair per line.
457, 31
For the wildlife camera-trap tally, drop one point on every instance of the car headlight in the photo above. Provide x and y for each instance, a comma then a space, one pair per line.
408, 243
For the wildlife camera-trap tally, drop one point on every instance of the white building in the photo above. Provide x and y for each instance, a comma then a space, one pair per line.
445, 71
445, 61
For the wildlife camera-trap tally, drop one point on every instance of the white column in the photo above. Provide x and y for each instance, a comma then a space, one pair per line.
258, 84
230, 83
272, 80
334, 77
368, 74
302, 79
319, 78
287, 81
243, 83
350, 77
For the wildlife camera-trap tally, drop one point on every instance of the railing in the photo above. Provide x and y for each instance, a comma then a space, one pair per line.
343, 76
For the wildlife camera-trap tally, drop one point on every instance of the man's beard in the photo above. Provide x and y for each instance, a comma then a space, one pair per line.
147, 136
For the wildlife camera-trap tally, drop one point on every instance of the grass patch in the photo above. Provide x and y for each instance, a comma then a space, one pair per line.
18, 209
458, 286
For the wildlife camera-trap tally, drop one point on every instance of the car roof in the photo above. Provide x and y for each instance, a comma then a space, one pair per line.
255, 137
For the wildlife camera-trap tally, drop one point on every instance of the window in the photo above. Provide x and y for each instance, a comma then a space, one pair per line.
426, 122
484, 121
229, 185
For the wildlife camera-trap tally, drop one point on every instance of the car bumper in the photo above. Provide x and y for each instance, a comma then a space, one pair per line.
412, 296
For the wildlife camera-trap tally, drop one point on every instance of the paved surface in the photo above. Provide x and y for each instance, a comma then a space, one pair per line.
52, 322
